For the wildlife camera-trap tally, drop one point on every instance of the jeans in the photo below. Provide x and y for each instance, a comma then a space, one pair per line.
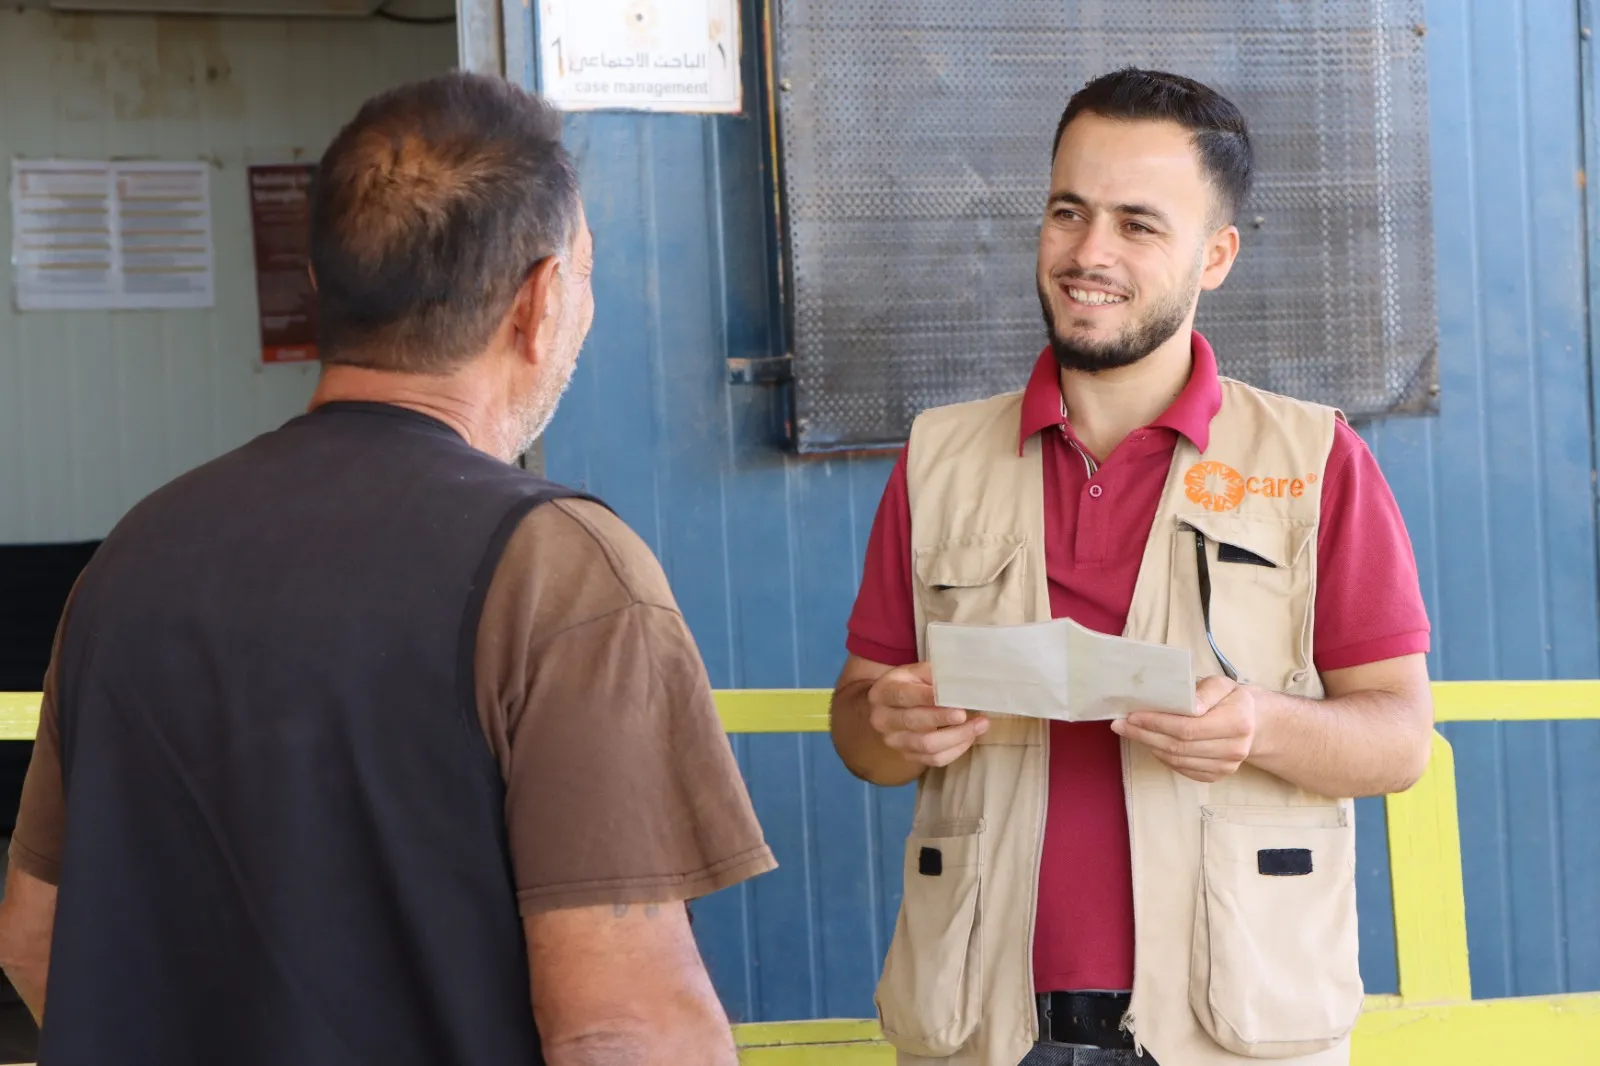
1072, 1055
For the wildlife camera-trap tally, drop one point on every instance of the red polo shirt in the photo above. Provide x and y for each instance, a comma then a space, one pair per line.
1369, 608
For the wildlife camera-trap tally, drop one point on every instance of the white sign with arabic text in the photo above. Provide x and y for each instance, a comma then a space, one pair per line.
640, 55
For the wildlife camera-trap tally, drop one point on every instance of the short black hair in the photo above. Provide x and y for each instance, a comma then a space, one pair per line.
427, 213
1220, 134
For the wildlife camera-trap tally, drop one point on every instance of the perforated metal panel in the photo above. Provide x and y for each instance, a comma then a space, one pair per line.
916, 139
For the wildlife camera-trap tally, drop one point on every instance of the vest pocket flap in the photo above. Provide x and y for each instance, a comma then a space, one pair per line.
1278, 541
1307, 817
967, 563
963, 833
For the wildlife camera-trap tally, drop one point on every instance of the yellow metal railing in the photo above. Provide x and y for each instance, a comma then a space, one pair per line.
19, 715
1434, 1021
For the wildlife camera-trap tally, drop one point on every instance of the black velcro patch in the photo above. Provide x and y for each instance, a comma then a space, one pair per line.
1284, 862
1232, 553
930, 862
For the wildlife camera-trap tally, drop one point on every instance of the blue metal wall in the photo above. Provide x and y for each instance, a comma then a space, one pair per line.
764, 549
1498, 490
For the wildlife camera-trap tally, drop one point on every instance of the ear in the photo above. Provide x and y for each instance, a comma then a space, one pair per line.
536, 310
1222, 248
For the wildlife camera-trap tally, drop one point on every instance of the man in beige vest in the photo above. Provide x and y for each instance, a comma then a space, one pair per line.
1131, 488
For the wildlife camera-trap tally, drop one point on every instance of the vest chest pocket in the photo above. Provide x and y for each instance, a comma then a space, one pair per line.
1260, 573
973, 580
930, 996
1273, 970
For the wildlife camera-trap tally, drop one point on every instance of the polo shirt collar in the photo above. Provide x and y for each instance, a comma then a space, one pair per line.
1190, 414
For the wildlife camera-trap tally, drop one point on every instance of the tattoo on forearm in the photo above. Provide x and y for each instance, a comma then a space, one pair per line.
620, 910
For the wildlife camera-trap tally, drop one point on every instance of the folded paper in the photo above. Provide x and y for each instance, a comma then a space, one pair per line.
1058, 670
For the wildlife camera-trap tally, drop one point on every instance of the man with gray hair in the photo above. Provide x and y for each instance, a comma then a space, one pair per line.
361, 744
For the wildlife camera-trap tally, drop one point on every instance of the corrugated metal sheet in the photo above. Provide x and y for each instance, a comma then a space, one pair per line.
1498, 490
97, 409
764, 548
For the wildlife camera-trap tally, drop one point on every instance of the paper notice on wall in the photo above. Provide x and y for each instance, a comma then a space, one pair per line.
163, 214
111, 236
641, 55
280, 225
62, 234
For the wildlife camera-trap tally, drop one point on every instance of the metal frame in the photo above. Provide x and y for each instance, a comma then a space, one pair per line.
1589, 88
865, 240
480, 45
496, 37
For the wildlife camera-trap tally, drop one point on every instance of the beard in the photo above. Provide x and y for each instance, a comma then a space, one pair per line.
533, 415
530, 414
1133, 343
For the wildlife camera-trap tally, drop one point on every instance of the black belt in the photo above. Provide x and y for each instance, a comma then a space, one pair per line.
1092, 1019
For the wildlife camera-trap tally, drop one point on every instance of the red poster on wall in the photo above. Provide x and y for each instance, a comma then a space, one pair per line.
280, 217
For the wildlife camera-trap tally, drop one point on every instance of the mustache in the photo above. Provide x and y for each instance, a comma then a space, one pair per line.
1060, 277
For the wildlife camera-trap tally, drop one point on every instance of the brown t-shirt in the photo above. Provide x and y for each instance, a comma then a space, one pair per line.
620, 784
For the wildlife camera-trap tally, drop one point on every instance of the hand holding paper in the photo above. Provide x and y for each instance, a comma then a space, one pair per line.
903, 712
1208, 747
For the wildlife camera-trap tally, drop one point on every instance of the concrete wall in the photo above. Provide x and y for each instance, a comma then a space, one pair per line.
97, 409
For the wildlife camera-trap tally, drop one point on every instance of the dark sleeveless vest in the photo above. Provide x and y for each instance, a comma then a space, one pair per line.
285, 838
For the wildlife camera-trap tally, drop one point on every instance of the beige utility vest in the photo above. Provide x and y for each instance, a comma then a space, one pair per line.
1240, 952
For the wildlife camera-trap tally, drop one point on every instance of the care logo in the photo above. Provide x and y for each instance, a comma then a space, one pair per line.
1219, 487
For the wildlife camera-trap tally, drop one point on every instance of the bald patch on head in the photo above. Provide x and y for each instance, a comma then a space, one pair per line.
398, 182
430, 209
401, 185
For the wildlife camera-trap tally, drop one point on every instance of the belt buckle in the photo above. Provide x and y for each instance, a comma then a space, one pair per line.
1043, 1002
1090, 1021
